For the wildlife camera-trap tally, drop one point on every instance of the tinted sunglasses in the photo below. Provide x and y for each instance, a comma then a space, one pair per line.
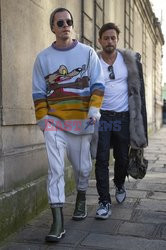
61, 23
111, 70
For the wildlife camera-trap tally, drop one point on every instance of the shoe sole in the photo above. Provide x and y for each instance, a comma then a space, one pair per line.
52, 238
77, 218
103, 217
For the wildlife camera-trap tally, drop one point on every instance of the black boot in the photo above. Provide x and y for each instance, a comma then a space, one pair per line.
57, 229
80, 211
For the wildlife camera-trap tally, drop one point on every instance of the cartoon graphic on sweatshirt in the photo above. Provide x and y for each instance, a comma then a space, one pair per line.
56, 85
67, 88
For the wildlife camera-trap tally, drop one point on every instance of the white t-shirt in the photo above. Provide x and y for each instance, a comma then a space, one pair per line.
116, 90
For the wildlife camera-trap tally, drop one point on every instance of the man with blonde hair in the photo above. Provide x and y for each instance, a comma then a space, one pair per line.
68, 89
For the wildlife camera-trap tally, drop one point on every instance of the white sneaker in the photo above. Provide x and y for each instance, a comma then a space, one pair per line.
120, 194
103, 211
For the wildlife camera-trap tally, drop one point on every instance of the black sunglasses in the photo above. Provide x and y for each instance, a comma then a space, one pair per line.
111, 70
61, 23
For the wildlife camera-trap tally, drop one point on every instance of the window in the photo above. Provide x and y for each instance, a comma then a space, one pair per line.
92, 20
129, 17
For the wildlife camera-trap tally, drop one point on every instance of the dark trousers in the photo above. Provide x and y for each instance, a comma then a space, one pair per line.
113, 133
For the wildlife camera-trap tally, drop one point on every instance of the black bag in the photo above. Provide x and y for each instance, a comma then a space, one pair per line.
137, 163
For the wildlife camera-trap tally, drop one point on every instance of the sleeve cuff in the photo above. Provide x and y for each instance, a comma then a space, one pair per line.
94, 112
42, 123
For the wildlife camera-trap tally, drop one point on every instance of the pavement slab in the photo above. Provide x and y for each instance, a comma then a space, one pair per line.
122, 242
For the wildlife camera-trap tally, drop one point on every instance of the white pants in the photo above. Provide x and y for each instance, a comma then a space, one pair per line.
77, 147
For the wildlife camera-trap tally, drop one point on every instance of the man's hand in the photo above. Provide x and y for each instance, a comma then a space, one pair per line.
91, 121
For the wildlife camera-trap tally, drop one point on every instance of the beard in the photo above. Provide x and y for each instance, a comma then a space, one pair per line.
109, 49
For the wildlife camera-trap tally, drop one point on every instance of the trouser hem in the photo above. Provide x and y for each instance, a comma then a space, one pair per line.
52, 205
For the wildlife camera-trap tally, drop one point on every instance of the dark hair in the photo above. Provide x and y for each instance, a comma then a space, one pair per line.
109, 26
56, 11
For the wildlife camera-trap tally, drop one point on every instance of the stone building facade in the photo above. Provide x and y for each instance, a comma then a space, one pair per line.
25, 31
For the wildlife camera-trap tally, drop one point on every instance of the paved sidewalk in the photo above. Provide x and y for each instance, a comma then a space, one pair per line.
138, 223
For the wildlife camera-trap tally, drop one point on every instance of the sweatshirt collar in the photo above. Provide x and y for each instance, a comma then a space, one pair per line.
74, 43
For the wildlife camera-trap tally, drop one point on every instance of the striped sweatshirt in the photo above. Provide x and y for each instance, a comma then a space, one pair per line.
68, 86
